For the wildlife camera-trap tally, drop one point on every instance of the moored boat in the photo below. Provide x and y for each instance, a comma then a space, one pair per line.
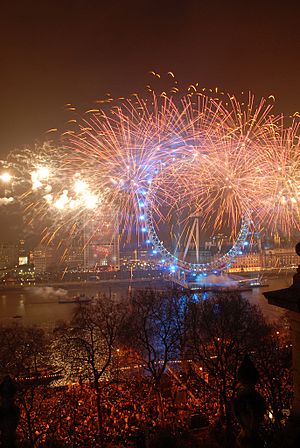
81, 298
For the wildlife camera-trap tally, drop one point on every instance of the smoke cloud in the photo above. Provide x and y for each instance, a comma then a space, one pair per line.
5, 201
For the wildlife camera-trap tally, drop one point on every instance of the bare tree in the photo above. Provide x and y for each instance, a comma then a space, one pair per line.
24, 354
222, 329
154, 331
88, 343
23, 350
274, 359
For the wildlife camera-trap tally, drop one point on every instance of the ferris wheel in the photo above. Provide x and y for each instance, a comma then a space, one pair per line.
193, 244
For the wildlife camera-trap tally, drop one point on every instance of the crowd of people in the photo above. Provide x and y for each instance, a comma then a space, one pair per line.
131, 412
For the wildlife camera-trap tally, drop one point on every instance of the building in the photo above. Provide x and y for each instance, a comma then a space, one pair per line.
73, 258
248, 262
101, 243
23, 258
283, 258
280, 258
44, 259
9, 253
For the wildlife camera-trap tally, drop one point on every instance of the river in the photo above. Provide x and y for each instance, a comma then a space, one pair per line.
40, 306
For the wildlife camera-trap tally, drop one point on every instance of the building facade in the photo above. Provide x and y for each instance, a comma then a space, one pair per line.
44, 259
281, 258
9, 254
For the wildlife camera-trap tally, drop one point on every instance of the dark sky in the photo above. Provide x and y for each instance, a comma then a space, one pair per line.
54, 52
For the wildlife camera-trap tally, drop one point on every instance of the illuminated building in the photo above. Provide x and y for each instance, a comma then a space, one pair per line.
43, 259
281, 258
9, 253
73, 253
74, 258
248, 262
23, 255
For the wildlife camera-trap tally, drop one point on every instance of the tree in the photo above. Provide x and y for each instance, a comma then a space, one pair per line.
87, 345
154, 331
274, 360
24, 354
222, 329
23, 350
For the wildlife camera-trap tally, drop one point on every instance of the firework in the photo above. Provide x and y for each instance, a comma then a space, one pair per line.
219, 159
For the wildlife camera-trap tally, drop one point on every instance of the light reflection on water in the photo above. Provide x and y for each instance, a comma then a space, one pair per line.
40, 305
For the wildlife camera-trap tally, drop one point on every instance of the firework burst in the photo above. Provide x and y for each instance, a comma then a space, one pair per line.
215, 158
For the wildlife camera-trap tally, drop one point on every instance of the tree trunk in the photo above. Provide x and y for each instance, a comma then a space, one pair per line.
99, 413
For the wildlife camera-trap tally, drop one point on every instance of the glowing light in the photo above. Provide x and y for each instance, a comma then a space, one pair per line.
80, 186
214, 158
62, 201
90, 201
5, 177
38, 176
49, 198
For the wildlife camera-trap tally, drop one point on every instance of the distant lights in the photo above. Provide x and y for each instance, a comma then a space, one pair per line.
144, 229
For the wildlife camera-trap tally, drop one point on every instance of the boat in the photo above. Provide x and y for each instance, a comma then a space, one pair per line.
81, 298
257, 282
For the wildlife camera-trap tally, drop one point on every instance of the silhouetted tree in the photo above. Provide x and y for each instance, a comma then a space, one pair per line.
23, 350
222, 329
273, 357
24, 354
87, 345
154, 330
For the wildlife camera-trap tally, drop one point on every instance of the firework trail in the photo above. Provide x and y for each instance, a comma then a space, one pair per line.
204, 154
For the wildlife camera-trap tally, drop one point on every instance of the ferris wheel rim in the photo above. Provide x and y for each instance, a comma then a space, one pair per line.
220, 264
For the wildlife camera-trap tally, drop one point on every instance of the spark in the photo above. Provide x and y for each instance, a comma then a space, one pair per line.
180, 157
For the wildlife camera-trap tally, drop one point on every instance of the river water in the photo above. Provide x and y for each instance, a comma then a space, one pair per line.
40, 305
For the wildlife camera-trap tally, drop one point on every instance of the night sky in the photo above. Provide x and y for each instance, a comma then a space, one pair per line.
55, 52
